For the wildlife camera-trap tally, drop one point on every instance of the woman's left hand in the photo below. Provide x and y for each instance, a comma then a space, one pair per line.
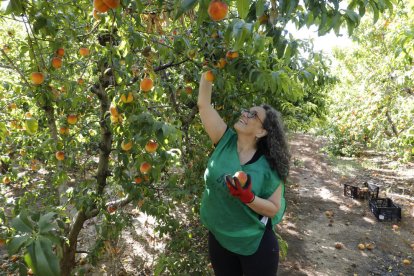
244, 193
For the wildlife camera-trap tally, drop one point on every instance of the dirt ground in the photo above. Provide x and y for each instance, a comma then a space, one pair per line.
319, 215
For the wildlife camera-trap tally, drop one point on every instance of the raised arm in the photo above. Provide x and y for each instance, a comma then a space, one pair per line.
212, 122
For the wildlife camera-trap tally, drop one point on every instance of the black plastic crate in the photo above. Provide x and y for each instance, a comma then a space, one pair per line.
384, 209
369, 190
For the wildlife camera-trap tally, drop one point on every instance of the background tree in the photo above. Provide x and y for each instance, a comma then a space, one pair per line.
371, 105
99, 112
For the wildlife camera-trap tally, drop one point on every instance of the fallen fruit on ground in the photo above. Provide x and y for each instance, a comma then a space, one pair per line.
339, 245
369, 246
406, 262
111, 209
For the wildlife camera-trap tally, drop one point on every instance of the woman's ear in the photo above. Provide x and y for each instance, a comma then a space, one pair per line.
262, 133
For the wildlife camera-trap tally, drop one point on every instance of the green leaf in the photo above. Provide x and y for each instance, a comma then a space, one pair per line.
40, 23
22, 224
243, 8
43, 267
3, 131
202, 11
45, 222
15, 7
184, 6
353, 16
260, 7
376, 12
14, 245
52, 261
30, 257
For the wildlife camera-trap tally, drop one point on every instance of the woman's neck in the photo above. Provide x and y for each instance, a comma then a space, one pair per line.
246, 144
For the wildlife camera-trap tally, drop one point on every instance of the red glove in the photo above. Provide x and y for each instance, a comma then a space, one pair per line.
245, 193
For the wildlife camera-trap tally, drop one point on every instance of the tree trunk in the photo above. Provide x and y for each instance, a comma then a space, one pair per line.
67, 263
393, 127
51, 122
69, 250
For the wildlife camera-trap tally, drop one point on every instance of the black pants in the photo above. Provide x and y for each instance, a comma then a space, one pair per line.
263, 262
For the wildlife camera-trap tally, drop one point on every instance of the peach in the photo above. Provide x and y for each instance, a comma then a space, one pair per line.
6, 48
242, 177
151, 146
64, 131
100, 6
72, 119
84, 51
146, 84
221, 63
209, 76
406, 262
56, 62
188, 90
217, 10
138, 180
113, 110
60, 155
145, 167
60, 52
6, 180
113, 4
95, 14
232, 54
37, 78
111, 209
126, 146
127, 98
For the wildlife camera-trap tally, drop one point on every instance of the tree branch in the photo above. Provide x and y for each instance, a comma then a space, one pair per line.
15, 67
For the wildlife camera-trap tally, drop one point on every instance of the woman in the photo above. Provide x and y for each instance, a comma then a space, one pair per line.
240, 219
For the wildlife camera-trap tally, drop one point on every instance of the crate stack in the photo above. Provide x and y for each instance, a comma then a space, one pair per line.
384, 209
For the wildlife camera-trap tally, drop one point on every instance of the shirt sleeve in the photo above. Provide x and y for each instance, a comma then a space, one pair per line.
225, 138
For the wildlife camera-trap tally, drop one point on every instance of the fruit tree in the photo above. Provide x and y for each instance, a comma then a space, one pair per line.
99, 111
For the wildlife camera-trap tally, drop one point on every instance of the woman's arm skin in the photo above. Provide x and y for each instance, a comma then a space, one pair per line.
212, 122
267, 207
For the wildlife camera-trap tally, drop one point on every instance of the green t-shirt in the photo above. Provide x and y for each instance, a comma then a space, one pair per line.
235, 226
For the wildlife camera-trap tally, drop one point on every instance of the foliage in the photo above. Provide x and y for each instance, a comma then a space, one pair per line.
372, 105
81, 114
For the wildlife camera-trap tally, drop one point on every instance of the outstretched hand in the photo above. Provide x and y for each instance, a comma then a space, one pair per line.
244, 193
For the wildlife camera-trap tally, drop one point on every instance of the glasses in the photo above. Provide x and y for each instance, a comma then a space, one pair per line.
251, 114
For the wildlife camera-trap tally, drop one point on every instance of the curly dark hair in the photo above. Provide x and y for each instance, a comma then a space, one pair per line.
274, 145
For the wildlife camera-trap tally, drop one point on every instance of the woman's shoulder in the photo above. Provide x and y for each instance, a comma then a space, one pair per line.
228, 135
